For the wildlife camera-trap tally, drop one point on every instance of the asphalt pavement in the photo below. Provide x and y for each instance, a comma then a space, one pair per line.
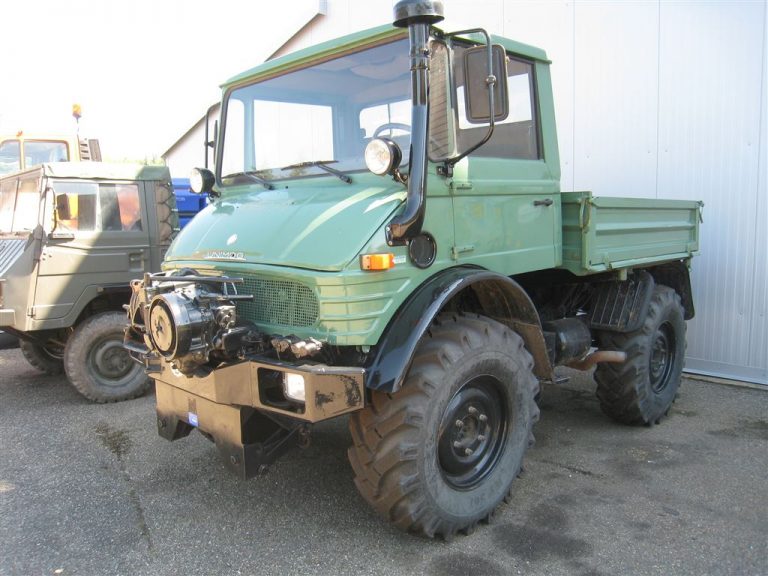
90, 489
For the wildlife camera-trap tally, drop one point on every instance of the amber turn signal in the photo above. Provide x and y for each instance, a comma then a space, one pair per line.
377, 261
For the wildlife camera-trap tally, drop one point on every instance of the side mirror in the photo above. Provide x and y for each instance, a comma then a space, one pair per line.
476, 92
63, 207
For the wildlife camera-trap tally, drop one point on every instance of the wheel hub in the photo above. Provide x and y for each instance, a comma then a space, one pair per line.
472, 432
662, 353
111, 360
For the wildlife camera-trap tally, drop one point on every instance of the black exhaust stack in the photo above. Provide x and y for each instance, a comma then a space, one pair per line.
417, 16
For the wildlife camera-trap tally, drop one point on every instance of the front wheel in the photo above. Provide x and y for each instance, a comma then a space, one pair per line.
441, 453
98, 366
642, 389
48, 359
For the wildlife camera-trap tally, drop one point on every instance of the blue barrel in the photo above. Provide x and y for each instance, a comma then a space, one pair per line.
188, 203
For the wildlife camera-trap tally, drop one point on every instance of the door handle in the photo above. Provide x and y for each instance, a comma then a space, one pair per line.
136, 259
545, 202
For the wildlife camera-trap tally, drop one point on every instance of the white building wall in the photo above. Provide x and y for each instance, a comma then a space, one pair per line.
656, 99
188, 153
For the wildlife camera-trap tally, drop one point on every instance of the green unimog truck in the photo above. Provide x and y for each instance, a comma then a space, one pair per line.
72, 236
388, 239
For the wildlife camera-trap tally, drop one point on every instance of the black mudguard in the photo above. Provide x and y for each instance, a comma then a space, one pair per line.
500, 298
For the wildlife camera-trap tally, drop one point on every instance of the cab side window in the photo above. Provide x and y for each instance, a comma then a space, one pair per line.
517, 135
514, 137
96, 207
120, 207
81, 200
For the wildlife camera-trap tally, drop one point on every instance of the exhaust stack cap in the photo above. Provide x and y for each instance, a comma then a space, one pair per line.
409, 12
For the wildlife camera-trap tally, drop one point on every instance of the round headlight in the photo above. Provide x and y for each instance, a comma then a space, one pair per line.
201, 181
382, 156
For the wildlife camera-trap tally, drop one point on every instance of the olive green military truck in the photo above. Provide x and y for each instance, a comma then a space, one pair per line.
72, 235
387, 239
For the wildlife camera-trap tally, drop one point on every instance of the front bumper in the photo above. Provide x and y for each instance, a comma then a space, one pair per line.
330, 391
7, 317
231, 407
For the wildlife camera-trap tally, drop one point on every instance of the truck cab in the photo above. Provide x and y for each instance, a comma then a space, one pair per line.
22, 151
72, 236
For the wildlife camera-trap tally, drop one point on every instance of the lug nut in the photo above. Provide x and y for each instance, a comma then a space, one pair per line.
481, 438
472, 410
457, 444
468, 452
482, 418
459, 423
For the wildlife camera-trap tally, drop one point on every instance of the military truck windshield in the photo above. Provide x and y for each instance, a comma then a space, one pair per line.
288, 126
35, 152
40, 151
10, 154
19, 203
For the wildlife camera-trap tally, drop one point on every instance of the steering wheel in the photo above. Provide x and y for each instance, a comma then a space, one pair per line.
391, 126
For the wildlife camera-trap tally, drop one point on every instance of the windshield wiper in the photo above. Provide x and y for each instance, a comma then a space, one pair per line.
252, 175
323, 165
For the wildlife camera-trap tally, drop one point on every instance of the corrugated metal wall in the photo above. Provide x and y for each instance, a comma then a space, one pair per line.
654, 99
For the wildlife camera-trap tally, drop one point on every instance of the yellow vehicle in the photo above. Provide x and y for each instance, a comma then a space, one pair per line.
22, 151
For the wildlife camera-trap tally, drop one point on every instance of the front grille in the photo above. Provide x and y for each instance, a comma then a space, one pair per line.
279, 302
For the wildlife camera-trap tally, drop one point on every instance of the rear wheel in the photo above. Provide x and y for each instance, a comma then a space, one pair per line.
440, 454
642, 389
98, 366
48, 359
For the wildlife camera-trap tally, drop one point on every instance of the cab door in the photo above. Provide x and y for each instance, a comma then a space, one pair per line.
506, 198
100, 242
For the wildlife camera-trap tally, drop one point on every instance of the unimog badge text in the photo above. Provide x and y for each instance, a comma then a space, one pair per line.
225, 255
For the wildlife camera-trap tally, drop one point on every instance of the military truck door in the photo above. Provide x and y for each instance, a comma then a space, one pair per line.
99, 243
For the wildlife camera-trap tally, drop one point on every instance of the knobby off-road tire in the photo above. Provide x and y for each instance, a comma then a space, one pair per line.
98, 366
642, 389
47, 359
440, 454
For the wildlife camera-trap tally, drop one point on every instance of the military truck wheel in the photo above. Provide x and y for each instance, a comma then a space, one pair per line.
642, 389
440, 454
47, 359
97, 364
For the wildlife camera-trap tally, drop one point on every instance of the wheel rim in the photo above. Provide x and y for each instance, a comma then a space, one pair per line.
53, 352
662, 357
472, 432
110, 363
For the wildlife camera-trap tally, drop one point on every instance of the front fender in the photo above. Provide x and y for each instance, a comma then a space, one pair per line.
499, 297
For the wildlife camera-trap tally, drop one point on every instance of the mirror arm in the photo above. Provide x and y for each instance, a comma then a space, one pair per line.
208, 143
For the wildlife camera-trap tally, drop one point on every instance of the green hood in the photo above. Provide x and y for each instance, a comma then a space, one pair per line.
307, 226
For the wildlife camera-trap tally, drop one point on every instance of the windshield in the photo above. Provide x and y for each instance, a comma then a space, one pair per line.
35, 152
19, 203
326, 113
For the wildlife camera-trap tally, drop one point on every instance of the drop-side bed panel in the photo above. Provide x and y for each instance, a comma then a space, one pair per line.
606, 233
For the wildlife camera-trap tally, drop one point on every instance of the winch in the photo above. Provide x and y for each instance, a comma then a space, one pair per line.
186, 319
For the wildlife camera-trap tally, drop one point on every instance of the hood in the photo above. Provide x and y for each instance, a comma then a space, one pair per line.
313, 226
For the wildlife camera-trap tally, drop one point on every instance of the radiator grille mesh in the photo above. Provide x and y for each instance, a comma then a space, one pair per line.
279, 302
